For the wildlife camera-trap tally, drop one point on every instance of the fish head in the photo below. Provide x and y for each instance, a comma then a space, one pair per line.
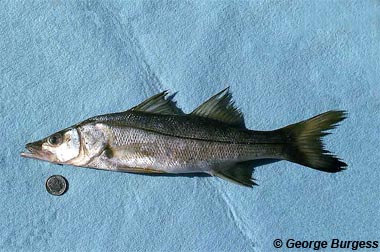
60, 147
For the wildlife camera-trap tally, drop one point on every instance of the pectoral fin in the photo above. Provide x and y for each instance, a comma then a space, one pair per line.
114, 155
238, 173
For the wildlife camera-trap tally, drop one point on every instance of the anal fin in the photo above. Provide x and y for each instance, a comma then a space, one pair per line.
238, 173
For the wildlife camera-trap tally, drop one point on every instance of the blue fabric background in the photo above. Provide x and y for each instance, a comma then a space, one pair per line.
62, 62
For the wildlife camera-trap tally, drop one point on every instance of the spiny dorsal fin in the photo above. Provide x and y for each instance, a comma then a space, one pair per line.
239, 173
159, 104
221, 107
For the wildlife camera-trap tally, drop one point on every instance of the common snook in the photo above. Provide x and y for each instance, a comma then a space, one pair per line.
157, 137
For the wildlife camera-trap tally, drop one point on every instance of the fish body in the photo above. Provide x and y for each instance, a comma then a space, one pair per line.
157, 137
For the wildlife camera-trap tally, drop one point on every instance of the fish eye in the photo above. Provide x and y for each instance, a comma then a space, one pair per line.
55, 139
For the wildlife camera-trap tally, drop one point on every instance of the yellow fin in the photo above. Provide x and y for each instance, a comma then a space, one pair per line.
139, 170
238, 173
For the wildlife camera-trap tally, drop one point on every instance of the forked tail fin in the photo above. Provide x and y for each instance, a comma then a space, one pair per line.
306, 147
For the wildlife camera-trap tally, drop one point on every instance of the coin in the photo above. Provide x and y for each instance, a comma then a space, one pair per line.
56, 185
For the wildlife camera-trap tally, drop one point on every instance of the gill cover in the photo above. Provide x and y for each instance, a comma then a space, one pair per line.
68, 148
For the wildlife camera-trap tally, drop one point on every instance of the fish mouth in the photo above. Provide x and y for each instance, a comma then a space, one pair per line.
35, 151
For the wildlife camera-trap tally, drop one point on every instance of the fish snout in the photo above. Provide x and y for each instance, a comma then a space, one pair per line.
32, 147
34, 150
29, 147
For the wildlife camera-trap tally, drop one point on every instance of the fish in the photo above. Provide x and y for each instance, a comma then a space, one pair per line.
157, 137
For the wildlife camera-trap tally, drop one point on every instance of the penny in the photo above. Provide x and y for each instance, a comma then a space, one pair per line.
56, 185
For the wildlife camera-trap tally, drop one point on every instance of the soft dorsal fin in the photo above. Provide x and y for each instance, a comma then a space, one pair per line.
238, 173
221, 107
159, 104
